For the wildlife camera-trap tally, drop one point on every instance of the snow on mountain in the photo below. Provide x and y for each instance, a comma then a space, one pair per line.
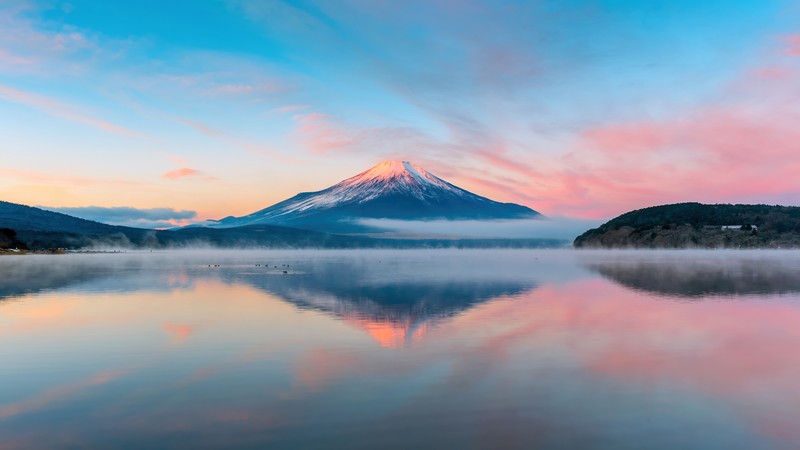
388, 177
391, 189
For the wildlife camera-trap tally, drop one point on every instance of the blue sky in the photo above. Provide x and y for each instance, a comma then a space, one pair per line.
575, 108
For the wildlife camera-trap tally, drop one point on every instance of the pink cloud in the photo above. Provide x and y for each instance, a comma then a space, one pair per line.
741, 148
744, 151
500, 191
319, 134
741, 151
181, 173
774, 73
497, 158
626, 138
717, 154
792, 44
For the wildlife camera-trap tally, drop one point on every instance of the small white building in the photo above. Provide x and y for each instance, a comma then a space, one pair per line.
738, 227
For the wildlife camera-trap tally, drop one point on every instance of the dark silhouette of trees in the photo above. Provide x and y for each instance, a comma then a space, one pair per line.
8, 239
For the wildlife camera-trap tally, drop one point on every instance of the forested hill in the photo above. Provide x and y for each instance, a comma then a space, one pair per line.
22, 217
696, 225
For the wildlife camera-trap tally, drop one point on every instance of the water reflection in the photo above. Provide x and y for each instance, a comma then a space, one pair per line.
394, 303
23, 275
518, 350
396, 300
703, 274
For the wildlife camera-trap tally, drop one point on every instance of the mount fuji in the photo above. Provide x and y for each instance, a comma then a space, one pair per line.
390, 190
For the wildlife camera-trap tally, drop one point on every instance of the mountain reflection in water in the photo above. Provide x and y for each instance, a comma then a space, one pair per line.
420, 349
395, 299
394, 306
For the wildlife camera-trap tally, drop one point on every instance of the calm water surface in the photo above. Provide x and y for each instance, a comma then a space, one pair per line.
402, 349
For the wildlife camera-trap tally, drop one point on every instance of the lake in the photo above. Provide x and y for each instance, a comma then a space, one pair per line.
401, 349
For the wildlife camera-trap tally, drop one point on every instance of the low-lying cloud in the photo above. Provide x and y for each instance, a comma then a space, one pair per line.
549, 228
129, 216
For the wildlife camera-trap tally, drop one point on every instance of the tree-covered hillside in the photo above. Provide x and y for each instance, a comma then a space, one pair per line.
700, 226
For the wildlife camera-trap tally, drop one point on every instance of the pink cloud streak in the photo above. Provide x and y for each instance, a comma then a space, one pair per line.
183, 172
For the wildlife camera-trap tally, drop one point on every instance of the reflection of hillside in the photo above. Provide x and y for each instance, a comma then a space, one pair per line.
22, 277
696, 278
94, 273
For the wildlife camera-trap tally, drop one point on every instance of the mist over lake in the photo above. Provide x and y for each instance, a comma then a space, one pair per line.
400, 349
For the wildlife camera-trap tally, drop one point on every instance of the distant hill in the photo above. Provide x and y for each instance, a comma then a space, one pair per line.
22, 217
36, 228
696, 225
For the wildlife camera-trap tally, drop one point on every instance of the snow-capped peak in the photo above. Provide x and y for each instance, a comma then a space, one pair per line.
386, 177
397, 171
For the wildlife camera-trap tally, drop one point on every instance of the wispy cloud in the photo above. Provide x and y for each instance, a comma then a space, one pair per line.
546, 228
319, 134
63, 110
273, 87
290, 108
30, 176
200, 127
187, 172
202, 74
567, 108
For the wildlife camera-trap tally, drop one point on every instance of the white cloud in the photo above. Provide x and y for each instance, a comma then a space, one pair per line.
549, 228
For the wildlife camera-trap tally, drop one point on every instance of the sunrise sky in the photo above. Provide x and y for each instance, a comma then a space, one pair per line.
585, 109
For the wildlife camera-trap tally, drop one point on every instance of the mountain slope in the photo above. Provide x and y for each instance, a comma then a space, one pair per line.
391, 190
